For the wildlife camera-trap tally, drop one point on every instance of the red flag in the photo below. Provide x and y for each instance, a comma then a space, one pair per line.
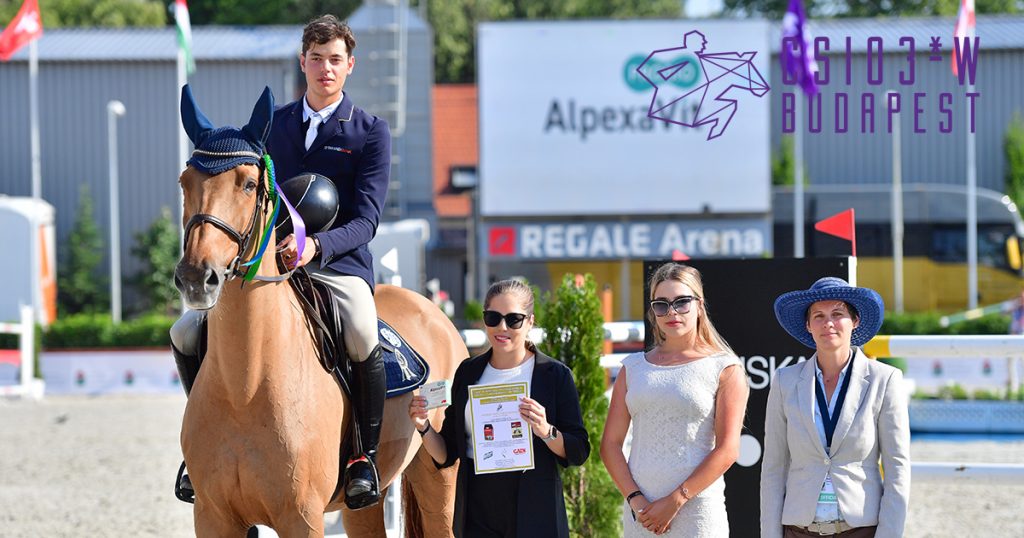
679, 256
964, 28
24, 27
840, 225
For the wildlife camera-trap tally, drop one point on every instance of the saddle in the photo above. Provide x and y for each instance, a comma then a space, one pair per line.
404, 367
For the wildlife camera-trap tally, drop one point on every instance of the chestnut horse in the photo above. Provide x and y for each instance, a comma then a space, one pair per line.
264, 420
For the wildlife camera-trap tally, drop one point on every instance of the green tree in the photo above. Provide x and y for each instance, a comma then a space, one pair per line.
158, 249
783, 164
254, 12
1013, 147
80, 286
103, 13
774, 9
571, 318
454, 23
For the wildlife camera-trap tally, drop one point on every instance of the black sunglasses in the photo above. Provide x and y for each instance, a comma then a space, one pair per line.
681, 305
513, 320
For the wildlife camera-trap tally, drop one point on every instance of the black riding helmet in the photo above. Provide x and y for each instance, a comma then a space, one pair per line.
315, 198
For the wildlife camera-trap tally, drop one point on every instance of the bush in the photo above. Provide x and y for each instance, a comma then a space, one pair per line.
158, 248
954, 391
928, 323
473, 311
98, 331
571, 318
1013, 148
986, 394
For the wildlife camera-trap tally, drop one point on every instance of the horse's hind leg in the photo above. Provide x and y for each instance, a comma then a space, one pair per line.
433, 495
366, 522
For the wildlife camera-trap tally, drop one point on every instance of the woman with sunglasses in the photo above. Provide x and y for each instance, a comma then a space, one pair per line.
686, 398
510, 504
831, 419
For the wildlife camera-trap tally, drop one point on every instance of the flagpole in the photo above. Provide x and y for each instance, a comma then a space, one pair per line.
33, 107
798, 182
972, 204
897, 212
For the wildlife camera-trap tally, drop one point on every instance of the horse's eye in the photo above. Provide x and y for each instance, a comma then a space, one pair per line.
250, 186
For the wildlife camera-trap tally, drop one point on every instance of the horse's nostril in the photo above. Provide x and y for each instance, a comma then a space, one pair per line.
212, 278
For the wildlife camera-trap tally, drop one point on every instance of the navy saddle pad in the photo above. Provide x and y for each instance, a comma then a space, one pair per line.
404, 368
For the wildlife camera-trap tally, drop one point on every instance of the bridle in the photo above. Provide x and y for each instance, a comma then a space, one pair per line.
245, 240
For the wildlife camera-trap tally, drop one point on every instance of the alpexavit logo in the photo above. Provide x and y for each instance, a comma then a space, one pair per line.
674, 73
686, 77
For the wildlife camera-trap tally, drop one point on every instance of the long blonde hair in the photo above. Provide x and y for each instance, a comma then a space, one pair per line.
708, 338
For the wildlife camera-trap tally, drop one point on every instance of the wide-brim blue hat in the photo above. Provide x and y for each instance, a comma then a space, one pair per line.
791, 309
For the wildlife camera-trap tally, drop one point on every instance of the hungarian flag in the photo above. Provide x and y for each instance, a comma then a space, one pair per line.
184, 25
964, 28
26, 26
801, 63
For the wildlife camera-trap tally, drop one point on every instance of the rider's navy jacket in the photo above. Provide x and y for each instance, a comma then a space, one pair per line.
353, 149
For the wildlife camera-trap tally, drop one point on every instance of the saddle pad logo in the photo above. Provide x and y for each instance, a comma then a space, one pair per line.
391, 337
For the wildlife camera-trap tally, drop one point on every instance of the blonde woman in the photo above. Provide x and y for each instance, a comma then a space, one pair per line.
686, 399
510, 504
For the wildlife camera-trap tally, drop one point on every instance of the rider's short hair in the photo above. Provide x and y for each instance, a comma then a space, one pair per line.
324, 29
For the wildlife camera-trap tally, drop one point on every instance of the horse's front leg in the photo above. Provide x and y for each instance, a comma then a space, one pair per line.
368, 522
305, 521
211, 522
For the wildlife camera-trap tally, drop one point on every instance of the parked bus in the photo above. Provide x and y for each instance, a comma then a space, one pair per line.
934, 240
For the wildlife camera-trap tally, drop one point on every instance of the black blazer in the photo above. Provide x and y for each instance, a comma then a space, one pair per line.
353, 149
540, 510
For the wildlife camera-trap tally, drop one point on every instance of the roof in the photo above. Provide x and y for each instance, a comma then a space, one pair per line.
995, 31
208, 42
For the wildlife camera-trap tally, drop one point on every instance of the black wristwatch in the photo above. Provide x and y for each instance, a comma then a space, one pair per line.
316, 248
424, 430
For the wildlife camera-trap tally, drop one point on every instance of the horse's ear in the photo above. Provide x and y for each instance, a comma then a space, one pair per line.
196, 125
258, 128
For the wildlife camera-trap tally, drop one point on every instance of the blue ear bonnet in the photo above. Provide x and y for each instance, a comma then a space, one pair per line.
221, 149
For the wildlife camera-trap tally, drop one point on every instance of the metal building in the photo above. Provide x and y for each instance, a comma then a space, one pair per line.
81, 70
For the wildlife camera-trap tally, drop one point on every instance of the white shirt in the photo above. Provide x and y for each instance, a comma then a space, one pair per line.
494, 376
827, 511
321, 117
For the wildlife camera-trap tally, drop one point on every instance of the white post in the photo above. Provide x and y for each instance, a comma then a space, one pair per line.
27, 345
897, 213
798, 182
115, 109
33, 107
972, 203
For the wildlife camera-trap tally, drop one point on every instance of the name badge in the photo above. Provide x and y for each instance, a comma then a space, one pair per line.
828, 493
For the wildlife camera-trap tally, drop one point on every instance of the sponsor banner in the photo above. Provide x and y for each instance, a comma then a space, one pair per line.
726, 238
624, 117
139, 371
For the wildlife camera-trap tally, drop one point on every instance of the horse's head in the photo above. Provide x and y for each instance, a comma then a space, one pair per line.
225, 194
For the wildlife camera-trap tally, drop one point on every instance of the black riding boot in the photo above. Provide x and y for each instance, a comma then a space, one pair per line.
188, 369
369, 387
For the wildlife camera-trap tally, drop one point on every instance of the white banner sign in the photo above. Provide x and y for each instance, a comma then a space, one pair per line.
569, 126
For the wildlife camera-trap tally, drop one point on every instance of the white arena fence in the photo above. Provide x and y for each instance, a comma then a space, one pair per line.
25, 383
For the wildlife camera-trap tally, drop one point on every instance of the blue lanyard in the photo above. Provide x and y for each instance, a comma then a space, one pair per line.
829, 422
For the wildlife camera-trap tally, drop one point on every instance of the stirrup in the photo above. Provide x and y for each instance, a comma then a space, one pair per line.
369, 497
183, 487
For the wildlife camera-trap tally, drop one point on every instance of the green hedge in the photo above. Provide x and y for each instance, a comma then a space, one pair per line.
928, 323
97, 330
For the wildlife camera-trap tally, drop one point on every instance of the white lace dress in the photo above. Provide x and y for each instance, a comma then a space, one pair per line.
673, 413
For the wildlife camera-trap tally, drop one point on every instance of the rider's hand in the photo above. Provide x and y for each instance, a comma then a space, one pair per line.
288, 249
418, 412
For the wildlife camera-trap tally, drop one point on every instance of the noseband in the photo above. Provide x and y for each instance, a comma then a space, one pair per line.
244, 241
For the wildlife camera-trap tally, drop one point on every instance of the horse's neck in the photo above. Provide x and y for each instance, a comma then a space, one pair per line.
253, 330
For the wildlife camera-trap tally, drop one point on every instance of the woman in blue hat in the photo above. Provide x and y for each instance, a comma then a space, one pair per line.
831, 419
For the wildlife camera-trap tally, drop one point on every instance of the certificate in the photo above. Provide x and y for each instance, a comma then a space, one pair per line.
502, 439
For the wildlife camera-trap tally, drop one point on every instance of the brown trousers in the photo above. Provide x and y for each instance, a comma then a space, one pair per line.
790, 531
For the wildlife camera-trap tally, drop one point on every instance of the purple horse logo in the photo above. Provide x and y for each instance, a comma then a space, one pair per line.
720, 73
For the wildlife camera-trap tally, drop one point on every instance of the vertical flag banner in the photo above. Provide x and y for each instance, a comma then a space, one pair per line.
23, 28
964, 28
184, 25
800, 64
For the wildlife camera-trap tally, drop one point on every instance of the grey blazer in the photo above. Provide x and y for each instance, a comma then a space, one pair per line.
873, 424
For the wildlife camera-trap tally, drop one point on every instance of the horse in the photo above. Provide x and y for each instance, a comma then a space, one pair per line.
264, 420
